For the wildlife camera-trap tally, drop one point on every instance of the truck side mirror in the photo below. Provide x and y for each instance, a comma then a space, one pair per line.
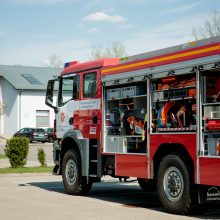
50, 99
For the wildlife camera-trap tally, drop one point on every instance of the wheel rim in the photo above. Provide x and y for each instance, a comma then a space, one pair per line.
71, 172
173, 184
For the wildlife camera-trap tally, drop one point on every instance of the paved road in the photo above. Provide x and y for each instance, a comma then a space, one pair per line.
41, 196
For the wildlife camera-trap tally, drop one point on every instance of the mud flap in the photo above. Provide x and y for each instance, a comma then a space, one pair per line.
56, 170
209, 194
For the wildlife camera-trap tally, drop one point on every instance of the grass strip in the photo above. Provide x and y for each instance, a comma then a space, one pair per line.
26, 170
2, 156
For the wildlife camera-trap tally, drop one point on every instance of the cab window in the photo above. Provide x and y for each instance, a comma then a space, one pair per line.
69, 89
89, 85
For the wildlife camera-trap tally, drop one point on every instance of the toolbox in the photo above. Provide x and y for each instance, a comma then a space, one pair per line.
158, 96
114, 93
192, 92
132, 91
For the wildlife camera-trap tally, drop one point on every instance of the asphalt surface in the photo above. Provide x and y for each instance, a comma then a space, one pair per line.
42, 196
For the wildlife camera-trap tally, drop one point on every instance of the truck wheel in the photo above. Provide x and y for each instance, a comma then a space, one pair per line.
175, 185
73, 181
146, 185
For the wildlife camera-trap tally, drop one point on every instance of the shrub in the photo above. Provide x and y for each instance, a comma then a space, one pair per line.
16, 150
41, 156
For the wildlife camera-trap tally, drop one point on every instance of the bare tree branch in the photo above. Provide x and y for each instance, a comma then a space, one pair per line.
210, 27
53, 60
116, 49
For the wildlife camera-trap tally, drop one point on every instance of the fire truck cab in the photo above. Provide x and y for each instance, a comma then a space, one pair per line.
154, 116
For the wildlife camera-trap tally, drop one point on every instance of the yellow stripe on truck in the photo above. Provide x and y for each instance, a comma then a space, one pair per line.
176, 56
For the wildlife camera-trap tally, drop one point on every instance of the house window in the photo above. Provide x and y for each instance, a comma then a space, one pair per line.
42, 118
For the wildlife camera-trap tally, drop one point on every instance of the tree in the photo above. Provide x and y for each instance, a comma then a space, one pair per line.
16, 150
41, 156
210, 27
53, 60
116, 49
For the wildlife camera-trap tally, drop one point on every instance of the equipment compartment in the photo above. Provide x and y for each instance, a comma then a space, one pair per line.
211, 114
211, 144
124, 117
174, 104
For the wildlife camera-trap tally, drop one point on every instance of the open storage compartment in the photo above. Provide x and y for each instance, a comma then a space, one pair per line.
174, 104
125, 109
211, 113
209, 159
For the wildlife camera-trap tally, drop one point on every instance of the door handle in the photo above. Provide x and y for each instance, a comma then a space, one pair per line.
95, 119
71, 120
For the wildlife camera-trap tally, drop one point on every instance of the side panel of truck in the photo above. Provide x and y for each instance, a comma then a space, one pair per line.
209, 171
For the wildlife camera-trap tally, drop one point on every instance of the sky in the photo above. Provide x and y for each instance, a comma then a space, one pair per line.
33, 30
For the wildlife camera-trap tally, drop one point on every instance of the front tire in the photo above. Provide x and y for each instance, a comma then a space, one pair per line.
73, 181
175, 185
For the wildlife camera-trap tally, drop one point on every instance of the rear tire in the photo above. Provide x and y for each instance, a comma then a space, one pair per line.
73, 181
175, 185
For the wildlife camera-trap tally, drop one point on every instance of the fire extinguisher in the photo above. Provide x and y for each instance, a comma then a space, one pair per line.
218, 148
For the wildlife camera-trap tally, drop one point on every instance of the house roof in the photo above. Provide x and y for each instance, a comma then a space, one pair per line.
27, 77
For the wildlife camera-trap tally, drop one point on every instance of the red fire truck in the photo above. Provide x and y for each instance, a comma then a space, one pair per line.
154, 116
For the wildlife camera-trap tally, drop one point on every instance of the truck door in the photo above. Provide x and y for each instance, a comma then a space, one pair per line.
87, 117
68, 102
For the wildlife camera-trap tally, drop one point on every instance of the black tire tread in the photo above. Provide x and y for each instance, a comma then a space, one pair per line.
186, 206
82, 187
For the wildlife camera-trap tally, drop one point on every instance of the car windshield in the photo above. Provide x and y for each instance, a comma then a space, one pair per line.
40, 130
26, 130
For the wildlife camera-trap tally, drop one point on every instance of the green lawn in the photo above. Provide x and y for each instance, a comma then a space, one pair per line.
26, 170
2, 156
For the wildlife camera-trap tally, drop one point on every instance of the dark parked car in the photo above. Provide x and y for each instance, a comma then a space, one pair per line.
33, 134
49, 132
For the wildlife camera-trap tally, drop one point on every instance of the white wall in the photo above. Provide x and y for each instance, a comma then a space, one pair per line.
30, 102
10, 122
20, 108
1, 107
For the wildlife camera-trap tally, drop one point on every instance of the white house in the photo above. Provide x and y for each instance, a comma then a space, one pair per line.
22, 97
